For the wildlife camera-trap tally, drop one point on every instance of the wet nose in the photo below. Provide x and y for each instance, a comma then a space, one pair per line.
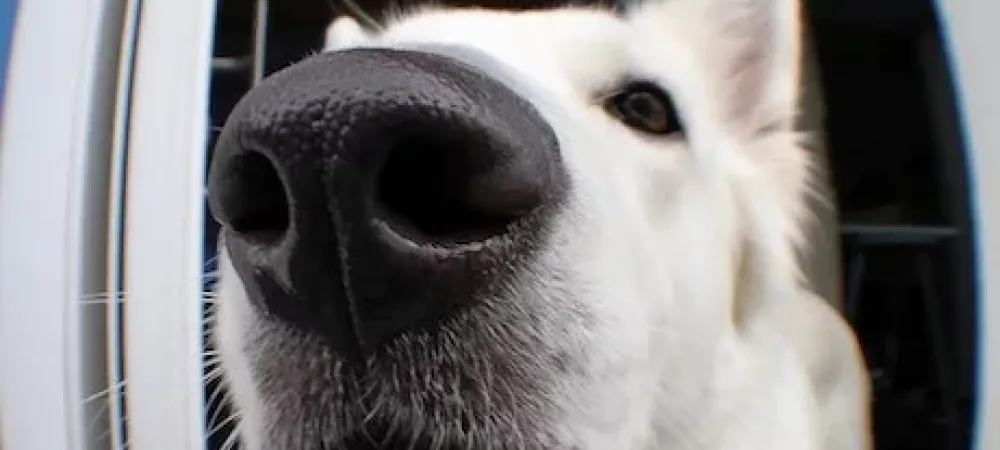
367, 193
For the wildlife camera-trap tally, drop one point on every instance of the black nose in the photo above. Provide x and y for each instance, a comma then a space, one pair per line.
365, 193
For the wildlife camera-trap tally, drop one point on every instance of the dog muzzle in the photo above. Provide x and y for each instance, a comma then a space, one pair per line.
367, 192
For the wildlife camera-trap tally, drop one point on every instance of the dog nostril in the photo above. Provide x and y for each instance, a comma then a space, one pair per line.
252, 199
447, 189
372, 192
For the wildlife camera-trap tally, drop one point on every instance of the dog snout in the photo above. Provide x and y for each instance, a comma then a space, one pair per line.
366, 193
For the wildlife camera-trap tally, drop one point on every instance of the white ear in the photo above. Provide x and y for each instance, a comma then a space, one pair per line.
756, 44
344, 32
749, 49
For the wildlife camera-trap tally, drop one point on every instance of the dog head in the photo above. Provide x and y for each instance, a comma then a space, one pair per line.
485, 229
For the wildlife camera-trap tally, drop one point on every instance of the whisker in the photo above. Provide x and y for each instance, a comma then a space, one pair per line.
102, 295
214, 259
213, 365
229, 420
359, 12
107, 434
212, 375
232, 441
97, 395
101, 412
215, 400
220, 398
102, 301
119, 297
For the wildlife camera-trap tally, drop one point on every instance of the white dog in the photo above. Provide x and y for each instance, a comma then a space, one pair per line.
564, 229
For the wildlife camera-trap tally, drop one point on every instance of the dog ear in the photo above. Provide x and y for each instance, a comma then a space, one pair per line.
344, 32
755, 44
748, 49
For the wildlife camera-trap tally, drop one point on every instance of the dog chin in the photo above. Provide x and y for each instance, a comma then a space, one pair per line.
503, 372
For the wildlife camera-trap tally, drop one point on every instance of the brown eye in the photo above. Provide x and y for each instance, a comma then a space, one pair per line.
645, 107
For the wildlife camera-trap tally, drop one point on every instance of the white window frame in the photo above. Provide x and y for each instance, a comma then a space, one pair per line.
164, 224
64, 131
54, 170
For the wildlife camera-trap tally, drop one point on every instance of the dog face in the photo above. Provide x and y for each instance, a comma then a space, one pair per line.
484, 229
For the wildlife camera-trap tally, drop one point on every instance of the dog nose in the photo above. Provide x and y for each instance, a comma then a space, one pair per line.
370, 192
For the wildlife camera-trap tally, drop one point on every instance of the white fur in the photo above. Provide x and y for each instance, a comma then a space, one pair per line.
683, 248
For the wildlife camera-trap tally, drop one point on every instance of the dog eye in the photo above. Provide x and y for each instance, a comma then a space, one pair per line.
645, 107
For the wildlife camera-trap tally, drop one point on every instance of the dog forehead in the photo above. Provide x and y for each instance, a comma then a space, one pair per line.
570, 48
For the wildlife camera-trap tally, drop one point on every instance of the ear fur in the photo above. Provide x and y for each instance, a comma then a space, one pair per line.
343, 32
759, 43
748, 48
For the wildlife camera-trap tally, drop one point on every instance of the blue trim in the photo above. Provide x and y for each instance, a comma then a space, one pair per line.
8, 12
978, 370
